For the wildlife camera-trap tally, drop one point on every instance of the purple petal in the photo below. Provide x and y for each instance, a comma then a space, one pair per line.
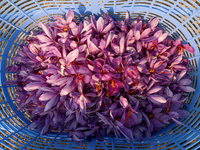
165, 117
36, 78
110, 36
185, 82
72, 56
177, 59
87, 79
183, 113
46, 89
82, 48
56, 52
108, 27
129, 35
176, 121
156, 110
115, 48
157, 64
93, 49
149, 109
83, 70
68, 88
106, 77
126, 21
125, 131
173, 114
145, 33
29, 99
69, 16
162, 37
103, 118
156, 123
149, 39
147, 134
175, 106
138, 26
121, 45
79, 134
61, 82
73, 45
154, 89
11, 82
82, 103
188, 48
139, 46
44, 39
187, 88
51, 103
100, 24
53, 78
154, 23
46, 29
137, 35
44, 129
51, 71
157, 98
182, 74
46, 96
93, 22
75, 31
33, 86
176, 97
137, 133
124, 102
75, 138
168, 92
177, 42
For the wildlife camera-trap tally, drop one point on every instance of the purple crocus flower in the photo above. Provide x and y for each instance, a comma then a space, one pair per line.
97, 78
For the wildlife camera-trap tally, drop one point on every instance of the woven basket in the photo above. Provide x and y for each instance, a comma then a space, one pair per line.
181, 18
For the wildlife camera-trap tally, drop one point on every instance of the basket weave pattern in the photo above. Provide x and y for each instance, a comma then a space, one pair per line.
181, 18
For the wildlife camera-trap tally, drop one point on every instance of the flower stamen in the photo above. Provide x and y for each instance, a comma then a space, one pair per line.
152, 70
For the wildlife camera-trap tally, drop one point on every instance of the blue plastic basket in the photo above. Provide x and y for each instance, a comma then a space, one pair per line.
181, 18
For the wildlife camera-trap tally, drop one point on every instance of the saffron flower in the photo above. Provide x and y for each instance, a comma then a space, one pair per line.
105, 77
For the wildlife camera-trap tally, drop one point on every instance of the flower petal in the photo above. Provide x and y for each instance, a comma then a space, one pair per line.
69, 16
137, 35
125, 131
137, 133
46, 96
51, 103
187, 88
188, 48
157, 98
46, 29
149, 39
68, 88
44, 39
106, 77
184, 82
145, 33
108, 27
72, 56
100, 24
139, 46
33, 86
124, 102
168, 92
162, 37
121, 45
154, 89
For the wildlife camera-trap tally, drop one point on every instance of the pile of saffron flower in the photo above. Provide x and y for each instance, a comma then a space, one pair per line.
102, 77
